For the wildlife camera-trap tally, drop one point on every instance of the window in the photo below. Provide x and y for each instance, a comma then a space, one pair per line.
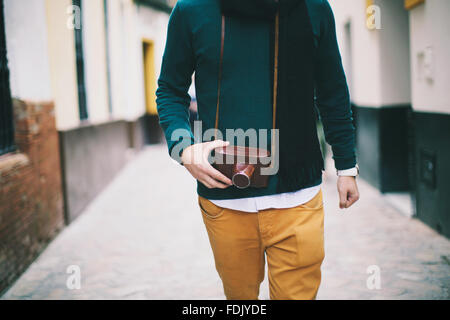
82, 105
6, 112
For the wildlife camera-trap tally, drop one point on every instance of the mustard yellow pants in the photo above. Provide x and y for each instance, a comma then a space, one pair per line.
292, 240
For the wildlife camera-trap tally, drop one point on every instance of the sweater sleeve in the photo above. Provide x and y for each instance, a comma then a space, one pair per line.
173, 84
332, 95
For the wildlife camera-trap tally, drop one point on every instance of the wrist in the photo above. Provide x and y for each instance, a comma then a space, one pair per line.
178, 155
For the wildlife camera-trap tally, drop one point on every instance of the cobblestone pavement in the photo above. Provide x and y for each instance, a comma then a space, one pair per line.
143, 238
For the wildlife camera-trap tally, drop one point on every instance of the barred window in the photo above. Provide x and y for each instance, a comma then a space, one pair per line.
82, 105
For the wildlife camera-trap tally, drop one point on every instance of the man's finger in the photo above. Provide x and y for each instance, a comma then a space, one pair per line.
343, 199
217, 175
203, 180
214, 183
353, 197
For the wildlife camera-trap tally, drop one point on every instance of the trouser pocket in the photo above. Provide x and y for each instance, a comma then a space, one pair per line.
309, 232
209, 209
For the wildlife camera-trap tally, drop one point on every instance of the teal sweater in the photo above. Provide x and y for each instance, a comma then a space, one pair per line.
193, 44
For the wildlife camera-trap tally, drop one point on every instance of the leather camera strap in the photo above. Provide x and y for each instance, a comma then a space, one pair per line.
275, 76
222, 42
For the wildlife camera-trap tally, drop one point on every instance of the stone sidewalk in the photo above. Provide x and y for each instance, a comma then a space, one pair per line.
143, 238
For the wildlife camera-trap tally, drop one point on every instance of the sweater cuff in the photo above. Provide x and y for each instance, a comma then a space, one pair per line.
345, 163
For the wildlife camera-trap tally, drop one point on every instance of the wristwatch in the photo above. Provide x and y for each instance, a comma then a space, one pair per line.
352, 172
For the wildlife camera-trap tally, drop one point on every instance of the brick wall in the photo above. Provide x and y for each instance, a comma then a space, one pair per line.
31, 202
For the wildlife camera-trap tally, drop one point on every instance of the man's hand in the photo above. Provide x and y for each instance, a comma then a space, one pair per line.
348, 191
195, 159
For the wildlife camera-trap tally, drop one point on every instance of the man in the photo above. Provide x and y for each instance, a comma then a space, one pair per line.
265, 53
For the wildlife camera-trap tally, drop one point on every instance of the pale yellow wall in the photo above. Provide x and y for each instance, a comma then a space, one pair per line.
61, 51
94, 47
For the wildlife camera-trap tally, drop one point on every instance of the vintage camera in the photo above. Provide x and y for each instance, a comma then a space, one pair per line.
243, 165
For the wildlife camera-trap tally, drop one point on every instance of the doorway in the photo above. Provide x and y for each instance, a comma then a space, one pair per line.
149, 76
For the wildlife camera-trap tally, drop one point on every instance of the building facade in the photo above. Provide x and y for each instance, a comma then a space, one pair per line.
77, 87
395, 54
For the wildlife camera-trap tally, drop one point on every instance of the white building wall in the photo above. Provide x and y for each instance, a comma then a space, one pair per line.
117, 53
394, 53
430, 52
152, 26
27, 51
129, 25
380, 63
365, 75
133, 88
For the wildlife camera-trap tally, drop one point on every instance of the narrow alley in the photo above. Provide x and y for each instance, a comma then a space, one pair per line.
143, 238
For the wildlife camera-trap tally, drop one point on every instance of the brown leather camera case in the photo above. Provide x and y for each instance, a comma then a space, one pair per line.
243, 165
